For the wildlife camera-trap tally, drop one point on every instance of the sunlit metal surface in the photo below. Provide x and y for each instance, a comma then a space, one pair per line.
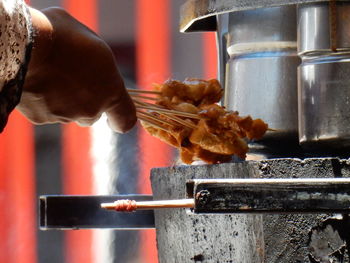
199, 15
262, 70
324, 75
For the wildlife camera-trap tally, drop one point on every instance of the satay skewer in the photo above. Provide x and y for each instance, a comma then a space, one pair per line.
159, 108
139, 102
179, 120
173, 112
171, 115
155, 107
152, 122
143, 91
132, 205
142, 97
152, 117
175, 119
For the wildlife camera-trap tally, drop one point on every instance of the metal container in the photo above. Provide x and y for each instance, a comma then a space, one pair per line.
222, 36
306, 104
324, 75
261, 74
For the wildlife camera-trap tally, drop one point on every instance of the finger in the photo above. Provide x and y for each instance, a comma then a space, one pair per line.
122, 114
85, 122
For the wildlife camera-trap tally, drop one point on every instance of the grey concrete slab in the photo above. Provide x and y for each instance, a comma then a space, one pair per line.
186, 237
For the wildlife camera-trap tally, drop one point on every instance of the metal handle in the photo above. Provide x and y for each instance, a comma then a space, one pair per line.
309, 195
66, 212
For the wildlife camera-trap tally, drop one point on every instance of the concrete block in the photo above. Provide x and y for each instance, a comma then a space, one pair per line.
186, 237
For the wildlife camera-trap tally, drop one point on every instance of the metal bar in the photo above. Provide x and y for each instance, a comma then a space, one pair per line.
66, 212
309, 195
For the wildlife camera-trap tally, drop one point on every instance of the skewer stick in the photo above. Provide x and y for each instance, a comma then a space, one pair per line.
179, 120
143, 91
152, 123
150, 116
131, 205
173, 112
143, 103
172, 117
170, 114
155, 107
143, 97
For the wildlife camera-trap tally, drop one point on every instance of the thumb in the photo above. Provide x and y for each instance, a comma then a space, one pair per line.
122, 114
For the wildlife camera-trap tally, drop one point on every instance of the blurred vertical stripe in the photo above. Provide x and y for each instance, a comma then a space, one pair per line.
76, 158
83, 10
153, 65
17, 192
77, 179
210, 55
48, 181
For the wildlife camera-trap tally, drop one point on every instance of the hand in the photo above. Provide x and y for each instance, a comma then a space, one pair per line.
73, 76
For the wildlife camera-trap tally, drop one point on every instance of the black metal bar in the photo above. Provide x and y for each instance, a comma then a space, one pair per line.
65, 212
311, 195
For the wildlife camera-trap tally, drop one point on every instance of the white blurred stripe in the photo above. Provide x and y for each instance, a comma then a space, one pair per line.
102, 151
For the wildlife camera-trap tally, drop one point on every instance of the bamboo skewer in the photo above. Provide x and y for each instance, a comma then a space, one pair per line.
156, 107
170, 115
143, 97
174, 118
152, 122
179, 120
150, 116
173, 112
132, 205
147, 104
144, 91
138, 102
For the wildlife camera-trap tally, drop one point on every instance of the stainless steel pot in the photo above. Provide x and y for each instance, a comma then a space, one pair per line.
324, 75
261, 74
303, 93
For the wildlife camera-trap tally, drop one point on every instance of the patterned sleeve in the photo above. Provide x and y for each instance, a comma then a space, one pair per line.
15, 48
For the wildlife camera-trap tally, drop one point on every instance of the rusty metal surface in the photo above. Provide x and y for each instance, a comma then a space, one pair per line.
64, 212
199, 15
306, 195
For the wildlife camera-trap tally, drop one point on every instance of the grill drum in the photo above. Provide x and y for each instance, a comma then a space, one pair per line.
324, 76
261, 71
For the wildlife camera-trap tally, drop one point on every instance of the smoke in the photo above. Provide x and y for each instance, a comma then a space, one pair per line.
115, 170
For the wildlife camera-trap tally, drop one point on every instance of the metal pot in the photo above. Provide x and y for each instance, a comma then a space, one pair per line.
261, 73
324, 75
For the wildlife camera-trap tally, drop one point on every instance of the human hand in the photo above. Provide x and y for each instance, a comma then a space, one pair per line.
73, 76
